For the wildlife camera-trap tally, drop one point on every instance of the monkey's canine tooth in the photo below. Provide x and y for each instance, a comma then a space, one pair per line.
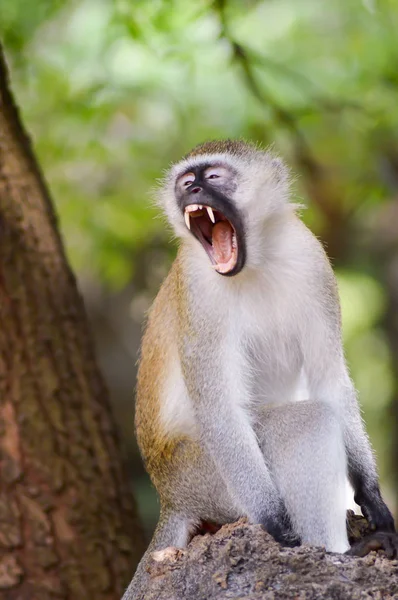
211, 214
187, 220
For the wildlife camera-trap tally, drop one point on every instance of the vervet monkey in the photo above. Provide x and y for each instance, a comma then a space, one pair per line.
244, 403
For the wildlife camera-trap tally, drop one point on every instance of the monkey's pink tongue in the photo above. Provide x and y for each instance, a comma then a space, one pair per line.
222, 241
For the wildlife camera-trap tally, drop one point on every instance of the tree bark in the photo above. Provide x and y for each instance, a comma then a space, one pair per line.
68, 527
243, 561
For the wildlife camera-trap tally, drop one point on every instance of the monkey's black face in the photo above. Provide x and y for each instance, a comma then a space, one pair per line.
204, 196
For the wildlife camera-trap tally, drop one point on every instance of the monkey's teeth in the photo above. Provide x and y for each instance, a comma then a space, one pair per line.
187, 220
211, 214
233, 240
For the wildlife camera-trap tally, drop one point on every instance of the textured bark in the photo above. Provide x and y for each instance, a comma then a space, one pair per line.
67, 522
242, 561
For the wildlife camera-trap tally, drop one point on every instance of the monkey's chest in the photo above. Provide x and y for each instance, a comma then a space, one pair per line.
276, 375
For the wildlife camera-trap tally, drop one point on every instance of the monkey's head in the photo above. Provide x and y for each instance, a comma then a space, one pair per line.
222, 195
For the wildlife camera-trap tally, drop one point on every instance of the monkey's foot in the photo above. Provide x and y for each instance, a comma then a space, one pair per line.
379, 540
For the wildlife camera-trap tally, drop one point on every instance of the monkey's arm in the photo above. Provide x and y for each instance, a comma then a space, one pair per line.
214, 377
330, 382
361, 463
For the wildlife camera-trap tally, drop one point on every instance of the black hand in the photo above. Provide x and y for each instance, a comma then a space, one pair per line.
374, 509
280, 527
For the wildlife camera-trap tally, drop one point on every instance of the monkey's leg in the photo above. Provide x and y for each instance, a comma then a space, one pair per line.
172, 530
303, 445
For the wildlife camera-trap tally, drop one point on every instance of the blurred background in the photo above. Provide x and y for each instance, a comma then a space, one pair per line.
112, 91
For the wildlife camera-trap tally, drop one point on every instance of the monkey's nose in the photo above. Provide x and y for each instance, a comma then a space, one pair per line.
195, 190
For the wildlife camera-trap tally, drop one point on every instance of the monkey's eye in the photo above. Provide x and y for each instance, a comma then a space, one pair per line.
187, 179
216, 173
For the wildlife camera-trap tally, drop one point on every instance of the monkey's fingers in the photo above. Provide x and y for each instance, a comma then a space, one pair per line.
376, 512
286, 538
380, 540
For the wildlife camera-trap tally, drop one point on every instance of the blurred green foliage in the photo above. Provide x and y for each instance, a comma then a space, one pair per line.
114, 90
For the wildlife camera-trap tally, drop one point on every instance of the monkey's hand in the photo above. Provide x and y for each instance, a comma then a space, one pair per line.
375, 510
379, 540
281, 529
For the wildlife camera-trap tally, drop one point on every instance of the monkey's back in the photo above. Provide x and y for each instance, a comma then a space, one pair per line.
158, 353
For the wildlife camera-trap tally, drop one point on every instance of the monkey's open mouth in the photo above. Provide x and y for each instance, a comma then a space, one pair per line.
216, 234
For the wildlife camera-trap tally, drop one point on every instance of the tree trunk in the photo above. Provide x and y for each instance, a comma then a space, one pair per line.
68, 527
